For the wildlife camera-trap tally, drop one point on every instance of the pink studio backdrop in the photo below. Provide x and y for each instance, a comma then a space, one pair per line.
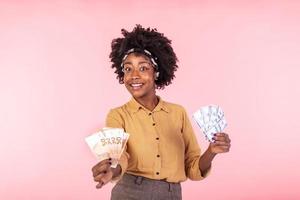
56, 87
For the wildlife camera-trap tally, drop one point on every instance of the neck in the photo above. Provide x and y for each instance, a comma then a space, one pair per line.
149, 102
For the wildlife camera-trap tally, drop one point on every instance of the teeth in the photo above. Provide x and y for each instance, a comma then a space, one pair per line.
136, 85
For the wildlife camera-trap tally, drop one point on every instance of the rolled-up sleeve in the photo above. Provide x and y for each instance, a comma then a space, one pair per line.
192, 151
114, 120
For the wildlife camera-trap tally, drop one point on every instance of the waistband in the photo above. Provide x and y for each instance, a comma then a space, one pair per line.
139, 180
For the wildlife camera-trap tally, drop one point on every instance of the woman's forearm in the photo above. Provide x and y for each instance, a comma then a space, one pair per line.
206, 160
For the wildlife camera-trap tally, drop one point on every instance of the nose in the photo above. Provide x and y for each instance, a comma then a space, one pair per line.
135, 74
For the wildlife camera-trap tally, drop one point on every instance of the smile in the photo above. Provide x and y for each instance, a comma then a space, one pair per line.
136, 86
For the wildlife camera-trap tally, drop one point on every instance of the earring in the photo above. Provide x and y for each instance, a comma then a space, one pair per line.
156, 75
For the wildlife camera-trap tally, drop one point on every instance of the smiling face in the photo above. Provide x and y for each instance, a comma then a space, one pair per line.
139, 76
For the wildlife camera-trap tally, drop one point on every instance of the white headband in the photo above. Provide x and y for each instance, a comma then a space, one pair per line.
147, 54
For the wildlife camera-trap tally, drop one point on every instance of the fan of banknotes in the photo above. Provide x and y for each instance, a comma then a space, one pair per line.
108, 143
211, 120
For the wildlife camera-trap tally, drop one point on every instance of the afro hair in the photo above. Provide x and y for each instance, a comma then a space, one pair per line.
145, 39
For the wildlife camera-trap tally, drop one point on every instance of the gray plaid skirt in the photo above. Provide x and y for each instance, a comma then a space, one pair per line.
132, 187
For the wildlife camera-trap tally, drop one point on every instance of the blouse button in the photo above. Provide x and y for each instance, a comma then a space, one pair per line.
153, 124
157, 173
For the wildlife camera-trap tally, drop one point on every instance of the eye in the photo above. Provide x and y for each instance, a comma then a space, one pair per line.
126, 69
144, 68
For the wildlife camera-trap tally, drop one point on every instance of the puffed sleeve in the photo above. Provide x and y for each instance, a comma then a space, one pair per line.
114, 120
192, 150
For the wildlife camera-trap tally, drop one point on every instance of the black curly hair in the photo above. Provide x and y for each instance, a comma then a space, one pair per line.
145, 39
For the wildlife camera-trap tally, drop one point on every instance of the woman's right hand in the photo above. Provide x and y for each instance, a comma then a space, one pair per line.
103, 172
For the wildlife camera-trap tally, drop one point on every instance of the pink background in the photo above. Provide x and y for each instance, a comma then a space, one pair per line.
56, 87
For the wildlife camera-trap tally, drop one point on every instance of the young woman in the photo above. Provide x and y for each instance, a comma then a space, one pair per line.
162, 149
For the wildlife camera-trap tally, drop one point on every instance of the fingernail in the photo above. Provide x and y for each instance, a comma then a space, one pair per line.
99, 185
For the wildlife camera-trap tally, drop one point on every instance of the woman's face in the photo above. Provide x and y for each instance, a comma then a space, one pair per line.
139, 75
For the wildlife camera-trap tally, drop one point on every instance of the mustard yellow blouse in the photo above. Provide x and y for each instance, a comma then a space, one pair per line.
162, 143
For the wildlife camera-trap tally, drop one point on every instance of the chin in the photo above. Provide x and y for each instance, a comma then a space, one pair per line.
137, 95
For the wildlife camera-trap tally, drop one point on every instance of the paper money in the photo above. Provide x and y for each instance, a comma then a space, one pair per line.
108, 143
211, 120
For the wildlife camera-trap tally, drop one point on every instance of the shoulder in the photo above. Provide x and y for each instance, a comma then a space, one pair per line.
120, 111
174, 107
116, 117
116, 111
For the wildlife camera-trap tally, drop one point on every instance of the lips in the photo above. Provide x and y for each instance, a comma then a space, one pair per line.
136, 86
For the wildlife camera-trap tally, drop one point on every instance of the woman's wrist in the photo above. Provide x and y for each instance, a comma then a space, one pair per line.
210, 153
116, 171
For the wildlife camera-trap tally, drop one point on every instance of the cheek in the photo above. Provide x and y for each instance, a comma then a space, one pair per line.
126, 84
149, 77
151, 82
126, 79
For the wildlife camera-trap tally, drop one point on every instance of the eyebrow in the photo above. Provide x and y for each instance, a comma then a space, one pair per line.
142, 62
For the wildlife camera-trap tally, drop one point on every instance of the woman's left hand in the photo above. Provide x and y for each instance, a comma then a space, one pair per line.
221, 143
